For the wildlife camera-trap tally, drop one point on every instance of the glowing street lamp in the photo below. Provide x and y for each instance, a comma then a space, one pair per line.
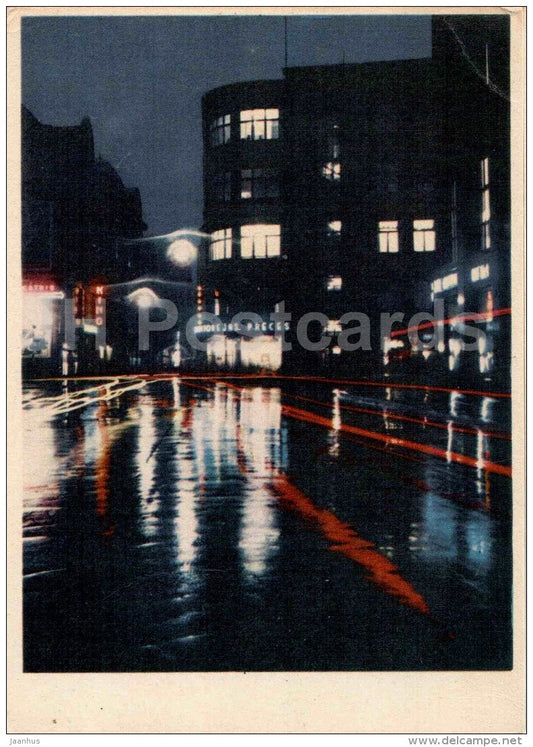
182, 252
144, 298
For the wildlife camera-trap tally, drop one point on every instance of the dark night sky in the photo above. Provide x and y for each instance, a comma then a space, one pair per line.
140, 80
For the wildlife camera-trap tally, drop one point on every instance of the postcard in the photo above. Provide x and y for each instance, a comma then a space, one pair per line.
266, 297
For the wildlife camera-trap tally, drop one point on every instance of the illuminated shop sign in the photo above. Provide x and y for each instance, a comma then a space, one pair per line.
242, 328
94, 315
99, 306
44, 286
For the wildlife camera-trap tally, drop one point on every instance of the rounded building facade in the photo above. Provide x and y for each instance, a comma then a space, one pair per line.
242, 258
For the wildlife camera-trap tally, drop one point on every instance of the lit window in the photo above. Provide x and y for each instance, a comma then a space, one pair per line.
260, 124
260, 240
485, 209
485, 172
488, 306
258, 183
334, 283
221, 244
220, 130
222, 187
388, 236
333, 326
485, 205
450, 281
424, 235
436, 285
481, 272
334, 228
332, 171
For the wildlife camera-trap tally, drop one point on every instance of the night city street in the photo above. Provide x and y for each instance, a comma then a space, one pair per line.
269, 473
209, 523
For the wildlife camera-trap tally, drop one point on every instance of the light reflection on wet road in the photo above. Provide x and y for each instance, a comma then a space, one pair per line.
184, 524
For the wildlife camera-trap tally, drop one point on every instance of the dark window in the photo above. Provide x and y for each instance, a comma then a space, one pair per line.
220, 130
221, 187
258, 184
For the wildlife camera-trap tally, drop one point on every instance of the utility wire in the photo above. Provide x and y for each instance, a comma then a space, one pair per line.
492, 86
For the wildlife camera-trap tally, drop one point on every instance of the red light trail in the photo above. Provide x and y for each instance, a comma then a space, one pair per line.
304, 415
351, 430
485, 315
394, 416
345, 541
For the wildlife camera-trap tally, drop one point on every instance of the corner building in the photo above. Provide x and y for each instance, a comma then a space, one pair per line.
242, 264
355, 188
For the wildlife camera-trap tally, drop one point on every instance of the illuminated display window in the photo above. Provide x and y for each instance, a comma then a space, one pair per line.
334, 283
388, 236
332, 171
263, 351
39, 323
220, 130
260, 240
221, 186
260, 124
424, 235
485, 205
450, 281
258, 184
436, 285
481, 272
443, 284
220, 245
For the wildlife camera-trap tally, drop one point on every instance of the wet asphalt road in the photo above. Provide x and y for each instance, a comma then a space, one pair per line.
263, 525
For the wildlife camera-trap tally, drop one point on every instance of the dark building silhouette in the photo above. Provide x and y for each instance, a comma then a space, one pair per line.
76, 215
361, 141
74, 205
363, 187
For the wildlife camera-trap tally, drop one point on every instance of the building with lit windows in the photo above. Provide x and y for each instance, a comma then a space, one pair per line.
475, 282
241, 266
374, 188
